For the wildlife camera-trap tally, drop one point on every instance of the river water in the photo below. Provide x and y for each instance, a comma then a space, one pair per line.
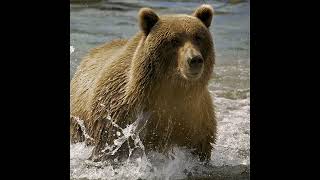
95, 23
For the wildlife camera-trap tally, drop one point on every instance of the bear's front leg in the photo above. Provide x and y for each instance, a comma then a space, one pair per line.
203, 148
112, 145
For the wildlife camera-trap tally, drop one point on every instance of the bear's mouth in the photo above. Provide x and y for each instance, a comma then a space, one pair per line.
193, 75
190, 74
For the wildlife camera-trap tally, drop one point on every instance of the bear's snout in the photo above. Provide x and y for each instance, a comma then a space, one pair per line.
192, 62
195, 62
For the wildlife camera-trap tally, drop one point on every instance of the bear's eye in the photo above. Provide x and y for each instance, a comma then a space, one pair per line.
175, 41
198, 38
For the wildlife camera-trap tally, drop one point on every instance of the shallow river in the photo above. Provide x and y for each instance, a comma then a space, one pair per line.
95, 23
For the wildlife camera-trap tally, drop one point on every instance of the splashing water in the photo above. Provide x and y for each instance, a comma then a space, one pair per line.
83, 129
131, 131
71, 49
230, 89
232, 148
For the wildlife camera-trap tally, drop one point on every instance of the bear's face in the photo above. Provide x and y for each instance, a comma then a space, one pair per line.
183, 42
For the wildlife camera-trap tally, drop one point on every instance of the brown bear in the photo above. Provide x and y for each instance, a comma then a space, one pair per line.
157, 80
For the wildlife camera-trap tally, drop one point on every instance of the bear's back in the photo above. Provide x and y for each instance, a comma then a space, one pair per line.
86, 75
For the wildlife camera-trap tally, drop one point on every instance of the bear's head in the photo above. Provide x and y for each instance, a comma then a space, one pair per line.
181, 44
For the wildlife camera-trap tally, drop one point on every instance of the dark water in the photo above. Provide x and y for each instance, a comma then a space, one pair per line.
95, 23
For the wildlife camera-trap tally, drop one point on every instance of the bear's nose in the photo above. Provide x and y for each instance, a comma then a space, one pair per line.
195, 61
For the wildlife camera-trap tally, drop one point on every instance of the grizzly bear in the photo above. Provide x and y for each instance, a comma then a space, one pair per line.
152, 88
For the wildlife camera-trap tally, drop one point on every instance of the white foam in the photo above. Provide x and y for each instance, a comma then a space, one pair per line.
232, 148
71, 49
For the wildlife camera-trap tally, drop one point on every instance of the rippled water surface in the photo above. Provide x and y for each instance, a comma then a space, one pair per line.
95, 23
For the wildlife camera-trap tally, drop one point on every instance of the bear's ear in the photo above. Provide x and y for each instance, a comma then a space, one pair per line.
147, 19
204, 13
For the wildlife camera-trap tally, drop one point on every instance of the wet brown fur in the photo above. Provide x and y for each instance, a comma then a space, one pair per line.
125, 78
